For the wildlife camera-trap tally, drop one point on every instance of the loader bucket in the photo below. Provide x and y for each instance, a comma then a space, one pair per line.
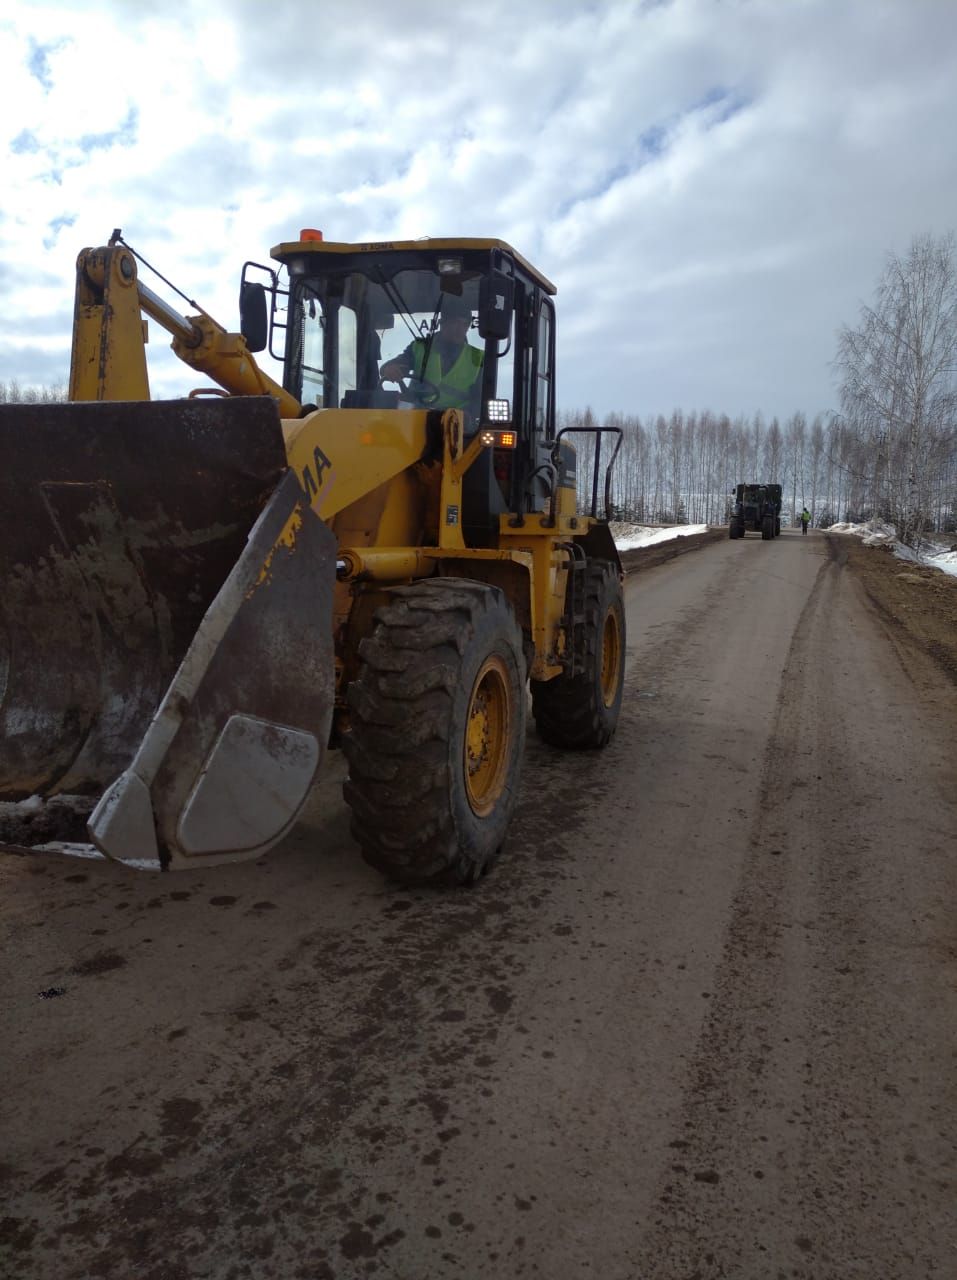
165, 629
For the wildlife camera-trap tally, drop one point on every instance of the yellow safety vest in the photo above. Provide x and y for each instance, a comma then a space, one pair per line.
454, 383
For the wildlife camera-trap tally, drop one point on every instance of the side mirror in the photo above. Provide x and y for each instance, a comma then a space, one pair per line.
496, 304
253, 315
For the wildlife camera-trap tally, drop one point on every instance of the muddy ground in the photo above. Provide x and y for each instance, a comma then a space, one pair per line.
913, 601
697, 1023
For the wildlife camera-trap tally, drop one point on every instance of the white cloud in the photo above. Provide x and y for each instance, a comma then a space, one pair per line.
712, 186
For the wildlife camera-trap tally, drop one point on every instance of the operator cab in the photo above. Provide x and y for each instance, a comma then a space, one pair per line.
343, 312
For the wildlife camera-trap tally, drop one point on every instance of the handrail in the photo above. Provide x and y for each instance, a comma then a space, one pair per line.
596, 431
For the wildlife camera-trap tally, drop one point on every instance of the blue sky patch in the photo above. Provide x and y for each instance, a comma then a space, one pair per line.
124, 135
38, 61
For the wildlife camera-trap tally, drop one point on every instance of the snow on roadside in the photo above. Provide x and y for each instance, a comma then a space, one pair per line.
629, 536
873, 534
876, 534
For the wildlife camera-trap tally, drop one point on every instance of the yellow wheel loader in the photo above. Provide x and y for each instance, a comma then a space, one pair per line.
200, 595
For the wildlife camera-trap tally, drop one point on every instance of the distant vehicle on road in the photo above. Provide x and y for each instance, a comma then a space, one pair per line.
757, 509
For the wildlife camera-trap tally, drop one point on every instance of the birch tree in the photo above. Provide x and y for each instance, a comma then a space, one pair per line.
795, 434
817, 454
899, 378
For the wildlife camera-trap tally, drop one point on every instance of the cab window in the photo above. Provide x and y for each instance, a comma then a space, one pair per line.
545, 382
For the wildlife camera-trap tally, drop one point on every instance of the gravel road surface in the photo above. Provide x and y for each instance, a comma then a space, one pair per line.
698, 1023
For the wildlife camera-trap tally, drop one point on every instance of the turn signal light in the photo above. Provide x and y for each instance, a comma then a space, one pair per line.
500, 439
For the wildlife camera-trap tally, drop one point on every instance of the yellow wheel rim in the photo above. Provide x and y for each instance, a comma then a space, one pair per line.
610, 658
487, 737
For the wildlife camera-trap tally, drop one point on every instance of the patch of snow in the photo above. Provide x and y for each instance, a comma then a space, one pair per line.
629, 536
70, 848
945, 561
874, 533
32, 805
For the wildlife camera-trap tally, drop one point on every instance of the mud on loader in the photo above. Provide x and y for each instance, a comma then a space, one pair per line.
756, 508
200, 595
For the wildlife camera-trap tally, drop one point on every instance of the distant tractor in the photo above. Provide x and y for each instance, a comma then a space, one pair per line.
757, 508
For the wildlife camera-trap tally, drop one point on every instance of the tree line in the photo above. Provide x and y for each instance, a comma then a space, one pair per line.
13, 393
682, 469
890, 454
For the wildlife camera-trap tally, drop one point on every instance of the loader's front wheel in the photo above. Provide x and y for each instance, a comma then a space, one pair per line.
437, 732
582, 711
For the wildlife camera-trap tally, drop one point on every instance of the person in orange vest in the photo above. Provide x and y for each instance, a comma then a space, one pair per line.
451, 364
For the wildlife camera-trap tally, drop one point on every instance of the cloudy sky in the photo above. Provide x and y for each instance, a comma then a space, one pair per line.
713, 185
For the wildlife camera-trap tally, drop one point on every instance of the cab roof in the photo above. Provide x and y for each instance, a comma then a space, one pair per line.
315, 245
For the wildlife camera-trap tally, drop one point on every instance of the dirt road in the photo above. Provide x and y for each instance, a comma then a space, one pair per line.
698, 1023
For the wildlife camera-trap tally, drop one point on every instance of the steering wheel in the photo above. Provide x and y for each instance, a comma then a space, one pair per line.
417, 390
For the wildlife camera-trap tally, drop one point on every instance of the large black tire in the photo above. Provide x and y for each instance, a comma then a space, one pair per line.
733, 531
582, 711
437, 732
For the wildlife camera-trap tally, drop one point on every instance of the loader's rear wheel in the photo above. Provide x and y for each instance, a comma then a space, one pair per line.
437, 732
582, 711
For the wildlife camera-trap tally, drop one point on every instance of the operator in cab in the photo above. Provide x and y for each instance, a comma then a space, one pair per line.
453, 366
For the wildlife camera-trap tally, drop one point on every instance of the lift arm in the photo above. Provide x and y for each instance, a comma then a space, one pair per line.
108, 360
